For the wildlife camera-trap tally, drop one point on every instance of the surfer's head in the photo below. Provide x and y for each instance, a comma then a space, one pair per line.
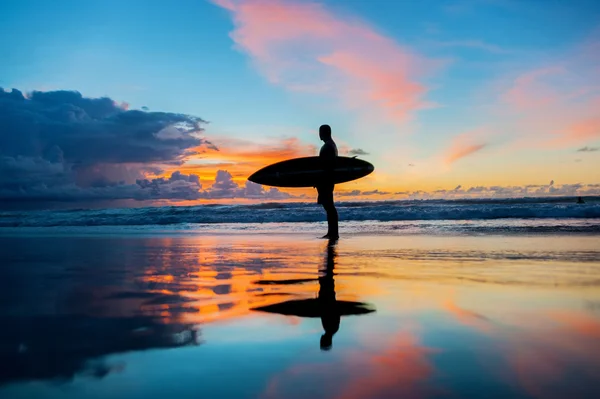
325, 132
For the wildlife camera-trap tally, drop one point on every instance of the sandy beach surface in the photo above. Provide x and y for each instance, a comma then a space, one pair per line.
276, 315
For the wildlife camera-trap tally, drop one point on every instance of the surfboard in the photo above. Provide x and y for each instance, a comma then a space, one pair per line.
309, 171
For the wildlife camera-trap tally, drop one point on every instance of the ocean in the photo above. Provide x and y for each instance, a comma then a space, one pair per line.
526, 215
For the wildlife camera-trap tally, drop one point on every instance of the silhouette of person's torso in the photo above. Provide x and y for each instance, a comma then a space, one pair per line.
329, 149
328, 152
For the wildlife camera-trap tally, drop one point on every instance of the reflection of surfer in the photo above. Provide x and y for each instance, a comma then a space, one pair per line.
326, 305
330, 315
325, 188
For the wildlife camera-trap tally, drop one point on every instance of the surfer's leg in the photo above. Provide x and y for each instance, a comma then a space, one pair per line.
332, 217
332, 222
326, 199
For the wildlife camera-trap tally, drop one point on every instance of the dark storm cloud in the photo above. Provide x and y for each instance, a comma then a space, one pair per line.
357, 151
588, 149
225, 187
178, 186
256, 191
62, 146
89, 131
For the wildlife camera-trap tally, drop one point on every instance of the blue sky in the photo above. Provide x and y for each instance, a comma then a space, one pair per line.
172, 58
467, 56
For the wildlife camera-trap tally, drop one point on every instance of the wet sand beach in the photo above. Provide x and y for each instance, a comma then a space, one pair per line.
287, 315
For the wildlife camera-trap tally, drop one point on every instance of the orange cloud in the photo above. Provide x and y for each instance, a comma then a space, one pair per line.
304, 47
232, 292
247, 151
241, 157
463, 145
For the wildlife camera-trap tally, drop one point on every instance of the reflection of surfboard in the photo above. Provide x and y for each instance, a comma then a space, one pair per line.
308, 172
317, 308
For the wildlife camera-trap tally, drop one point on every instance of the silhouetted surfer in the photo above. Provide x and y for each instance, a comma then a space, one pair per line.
580, 200
330, 314
325, 188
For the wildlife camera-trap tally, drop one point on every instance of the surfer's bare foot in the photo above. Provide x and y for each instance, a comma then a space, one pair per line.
330, 237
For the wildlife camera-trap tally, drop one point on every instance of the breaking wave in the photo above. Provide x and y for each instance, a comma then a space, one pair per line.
385, 211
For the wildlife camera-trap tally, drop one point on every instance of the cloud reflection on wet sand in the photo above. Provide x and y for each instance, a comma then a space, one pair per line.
519, 324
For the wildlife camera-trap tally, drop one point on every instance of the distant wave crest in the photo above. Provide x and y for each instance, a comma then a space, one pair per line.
302, 212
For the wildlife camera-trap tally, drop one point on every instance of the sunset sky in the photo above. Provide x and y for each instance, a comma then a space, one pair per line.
456, 98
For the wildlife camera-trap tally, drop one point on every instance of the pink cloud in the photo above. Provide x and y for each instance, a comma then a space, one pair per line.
397, 372
399, 368
580, 323
557, 104
467, 317
529, 91
302, 46
584, 130
542, 349
542, 353
463, 145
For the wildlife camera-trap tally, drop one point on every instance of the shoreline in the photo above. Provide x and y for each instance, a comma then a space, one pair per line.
457, 228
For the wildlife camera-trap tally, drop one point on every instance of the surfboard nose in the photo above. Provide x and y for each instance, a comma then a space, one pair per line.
252, 177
